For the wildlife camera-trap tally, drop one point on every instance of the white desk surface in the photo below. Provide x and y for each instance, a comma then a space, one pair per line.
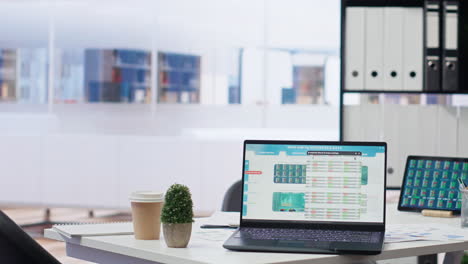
204, 251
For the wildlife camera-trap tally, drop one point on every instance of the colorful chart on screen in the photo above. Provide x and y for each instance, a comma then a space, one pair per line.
316, 183
432, 183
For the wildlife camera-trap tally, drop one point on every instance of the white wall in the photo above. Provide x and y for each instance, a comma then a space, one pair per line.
94, 171
303, 24
31, 24
95, 155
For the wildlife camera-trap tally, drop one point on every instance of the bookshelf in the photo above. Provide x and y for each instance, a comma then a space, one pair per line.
8, 75
416, 69
23, 74
385, 49
178, 78
406, 125
117, 75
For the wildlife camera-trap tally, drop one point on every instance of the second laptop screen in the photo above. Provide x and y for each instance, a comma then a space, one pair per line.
319, 183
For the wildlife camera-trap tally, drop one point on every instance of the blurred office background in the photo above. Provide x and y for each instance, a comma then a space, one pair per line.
100, 98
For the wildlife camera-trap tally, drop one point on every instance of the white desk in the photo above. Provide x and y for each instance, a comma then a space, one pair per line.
125, 249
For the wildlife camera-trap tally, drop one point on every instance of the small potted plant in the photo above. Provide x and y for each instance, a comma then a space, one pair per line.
177, 216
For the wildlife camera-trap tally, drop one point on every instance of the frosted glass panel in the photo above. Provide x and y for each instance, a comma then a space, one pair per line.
23, 52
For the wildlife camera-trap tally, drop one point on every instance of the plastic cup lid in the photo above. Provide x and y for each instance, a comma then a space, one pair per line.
146, 197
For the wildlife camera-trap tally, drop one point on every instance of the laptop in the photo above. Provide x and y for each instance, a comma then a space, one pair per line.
312, 197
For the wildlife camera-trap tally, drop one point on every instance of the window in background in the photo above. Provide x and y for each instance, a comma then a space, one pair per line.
239, 58
106, 57
69, 76
126, 52
32, 75
23, 52
300, 77
23, 75
232, 68
308, 84
235, 77
303, 52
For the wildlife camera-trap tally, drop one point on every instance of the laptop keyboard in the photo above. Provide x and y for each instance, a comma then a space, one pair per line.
310, 235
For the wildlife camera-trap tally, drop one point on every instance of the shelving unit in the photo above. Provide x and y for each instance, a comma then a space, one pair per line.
387, 48
118, 76
178, 78
23, 75
344, 90
8, 74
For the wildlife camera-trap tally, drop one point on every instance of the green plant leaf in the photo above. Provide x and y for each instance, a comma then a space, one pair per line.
178, 205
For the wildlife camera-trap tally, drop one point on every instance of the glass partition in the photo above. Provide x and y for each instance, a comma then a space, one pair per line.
102, 52
23, 52
268, 55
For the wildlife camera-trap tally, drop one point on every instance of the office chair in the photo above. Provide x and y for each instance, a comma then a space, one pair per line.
232, 199
17, 247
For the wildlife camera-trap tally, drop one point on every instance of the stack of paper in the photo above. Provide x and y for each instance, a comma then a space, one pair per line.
221, 219
414, 232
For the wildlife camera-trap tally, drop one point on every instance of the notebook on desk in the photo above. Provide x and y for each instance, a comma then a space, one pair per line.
312, 197
95, 229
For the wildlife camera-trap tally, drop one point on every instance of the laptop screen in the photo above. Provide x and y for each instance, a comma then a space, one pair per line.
314, 182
